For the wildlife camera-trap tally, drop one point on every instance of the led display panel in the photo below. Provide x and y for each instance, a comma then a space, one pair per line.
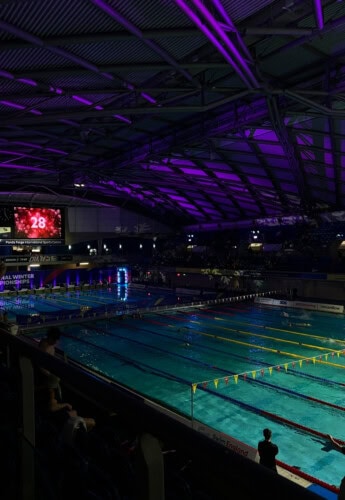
31, 226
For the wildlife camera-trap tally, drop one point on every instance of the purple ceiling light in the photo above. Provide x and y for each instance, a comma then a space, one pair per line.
82, 100
148, 98
11, 104
24, 167
214, 41
159, 168
27, 81
28, 144
109, 76
194, 171
69, 122
38, 42
144, 95
78, 98
15, 105
318, 14
6, 74
38, 146
20, 154
123, 119
56, 90
17, 153
57, 151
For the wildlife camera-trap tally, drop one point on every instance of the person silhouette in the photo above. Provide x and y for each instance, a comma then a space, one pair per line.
268, 451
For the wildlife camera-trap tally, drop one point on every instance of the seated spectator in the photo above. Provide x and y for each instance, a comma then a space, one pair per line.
48, 396
4, 316
8, 325
61, 414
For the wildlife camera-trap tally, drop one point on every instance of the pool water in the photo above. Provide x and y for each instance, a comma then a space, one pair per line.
53, 304
238, 369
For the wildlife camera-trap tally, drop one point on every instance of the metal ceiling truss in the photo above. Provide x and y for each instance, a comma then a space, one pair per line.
184, 107
285, 141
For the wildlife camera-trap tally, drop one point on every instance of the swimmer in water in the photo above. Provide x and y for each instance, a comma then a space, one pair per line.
299, 324
187, 340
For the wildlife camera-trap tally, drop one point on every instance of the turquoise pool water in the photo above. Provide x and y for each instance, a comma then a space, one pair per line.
109, 298
290, 373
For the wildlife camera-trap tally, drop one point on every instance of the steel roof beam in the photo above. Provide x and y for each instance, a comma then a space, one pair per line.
253, 146
251, 189
311, 104
95, 38
288, 147
328, 27
87, 65
111, 12
239, 51
118, 68
275, 31
337, 155
38, 42
224, 46
89, 113
185, 91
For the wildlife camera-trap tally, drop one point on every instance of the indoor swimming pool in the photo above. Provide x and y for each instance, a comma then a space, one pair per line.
236, 368
28, 307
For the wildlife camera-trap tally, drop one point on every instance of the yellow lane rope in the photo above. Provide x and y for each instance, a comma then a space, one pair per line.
277, 329
276, 351
243, 332
293, 332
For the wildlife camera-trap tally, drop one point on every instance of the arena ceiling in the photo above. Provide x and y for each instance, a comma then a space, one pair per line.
193, 112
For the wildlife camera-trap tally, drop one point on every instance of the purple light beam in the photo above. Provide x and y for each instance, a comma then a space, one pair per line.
233, 50
318, 14
214, 41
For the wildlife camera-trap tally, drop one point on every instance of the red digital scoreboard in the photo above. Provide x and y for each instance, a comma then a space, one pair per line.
31, 225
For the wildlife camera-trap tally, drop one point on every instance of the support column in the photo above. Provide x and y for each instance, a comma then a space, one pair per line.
28, 434
151, 473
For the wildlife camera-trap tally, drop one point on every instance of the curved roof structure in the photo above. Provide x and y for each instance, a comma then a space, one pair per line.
192, 112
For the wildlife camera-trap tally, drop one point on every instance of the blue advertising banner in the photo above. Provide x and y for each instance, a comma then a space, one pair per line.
62, 277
